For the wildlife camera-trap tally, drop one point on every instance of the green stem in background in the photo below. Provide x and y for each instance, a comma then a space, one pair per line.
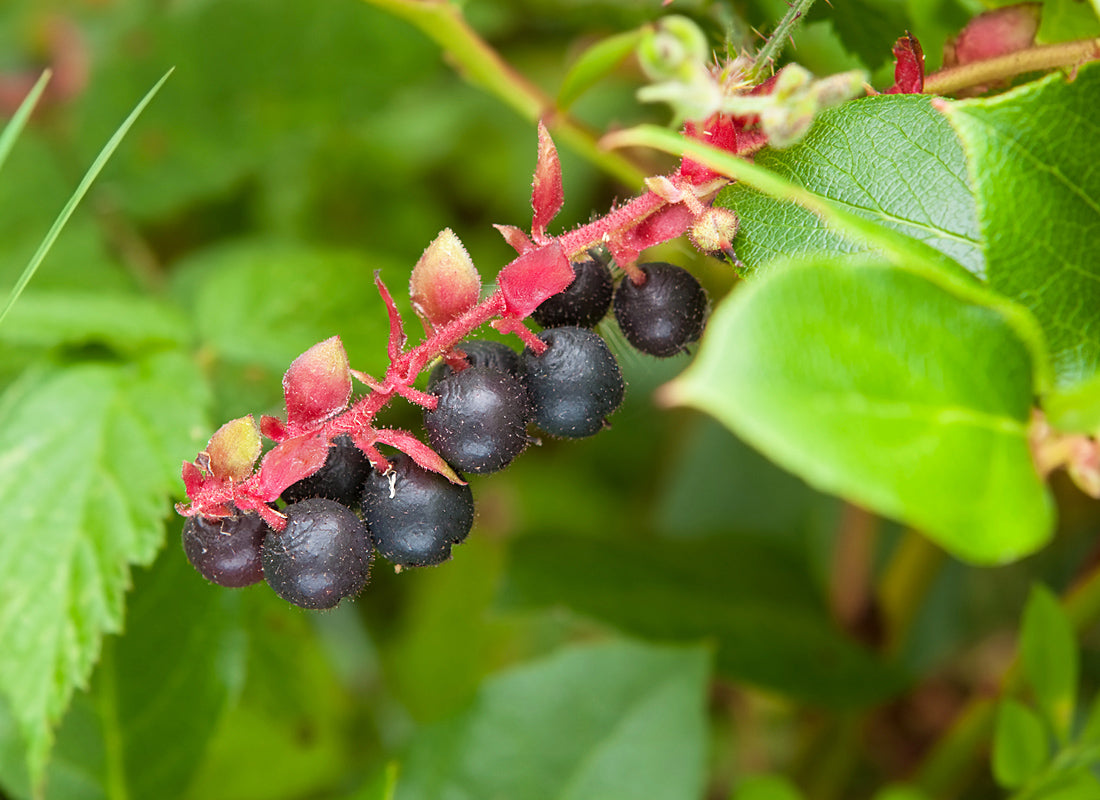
904, 584
963, 748
442, 21
22, 114
1065, 55
764, 60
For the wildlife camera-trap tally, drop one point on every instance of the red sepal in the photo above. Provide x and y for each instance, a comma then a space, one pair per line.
546, 191
908, 66
994, 33
533, 277
419, 452
192, 479
317, 386
289, 462
273, 428
517, 239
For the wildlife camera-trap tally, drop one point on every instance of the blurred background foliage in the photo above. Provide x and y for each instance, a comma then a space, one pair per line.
650, 613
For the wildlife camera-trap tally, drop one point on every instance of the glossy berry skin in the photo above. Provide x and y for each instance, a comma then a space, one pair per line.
480, 422
226, 551
415, 515
340, 479
482, 353
584, 302
666, 312
575, 384
322, 556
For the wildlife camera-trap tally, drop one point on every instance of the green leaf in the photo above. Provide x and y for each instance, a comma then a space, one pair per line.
159, 684
1065, 20
267, 303
1048, 650
121, 321
615, 720
92, 453
879, 385
889, 159
755, 602
766, 787
1020, 748
867, 28
596, 63
1075, 408
1033, 155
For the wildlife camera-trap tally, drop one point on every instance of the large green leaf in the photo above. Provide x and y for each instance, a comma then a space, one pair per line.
1034, 157
875, 383
166, 681
756, 603
890, 159
89, 456
616, 720
267, 303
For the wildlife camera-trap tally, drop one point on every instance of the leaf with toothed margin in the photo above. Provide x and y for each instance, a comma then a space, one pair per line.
318, 384
290, 461
96, 449
546, 192
533, 277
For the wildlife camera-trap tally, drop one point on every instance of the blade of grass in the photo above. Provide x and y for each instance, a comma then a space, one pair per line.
78, 195
22, 114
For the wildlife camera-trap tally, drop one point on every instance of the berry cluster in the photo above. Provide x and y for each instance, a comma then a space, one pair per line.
325, 499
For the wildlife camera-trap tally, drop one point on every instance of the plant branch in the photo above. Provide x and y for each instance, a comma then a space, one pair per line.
481, 65
764, 61
1065, 55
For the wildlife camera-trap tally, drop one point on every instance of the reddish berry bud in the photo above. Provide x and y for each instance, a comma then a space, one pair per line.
318, 385
444, 283
714, 230
233, 449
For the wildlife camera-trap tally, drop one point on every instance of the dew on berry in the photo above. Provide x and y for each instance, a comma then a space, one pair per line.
575, 384
665, 313
480, 423
226, 551
322, 556
415, 515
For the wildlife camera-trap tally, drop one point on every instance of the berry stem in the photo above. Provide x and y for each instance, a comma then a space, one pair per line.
1065, 55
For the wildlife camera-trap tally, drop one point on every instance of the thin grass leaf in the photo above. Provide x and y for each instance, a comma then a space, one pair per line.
90, 176
22, 114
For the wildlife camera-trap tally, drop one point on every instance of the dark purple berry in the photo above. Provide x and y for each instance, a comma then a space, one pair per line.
340, 479
480, 423
322, 556
575, 384
482, 353
415, 515
584, 302
226, 551
663, 314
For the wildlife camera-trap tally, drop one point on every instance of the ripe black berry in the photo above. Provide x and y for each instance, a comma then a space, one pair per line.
480, 423
415, 515
226, 551
663, 314
584, 302
340, 479
575, 384
482, 353
322, 556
